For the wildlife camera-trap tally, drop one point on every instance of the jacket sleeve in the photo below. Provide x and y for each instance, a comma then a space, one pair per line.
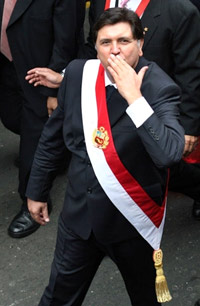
49, 155
161, 134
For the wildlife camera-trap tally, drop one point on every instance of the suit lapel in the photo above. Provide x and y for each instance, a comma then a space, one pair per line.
149, 21
20, 7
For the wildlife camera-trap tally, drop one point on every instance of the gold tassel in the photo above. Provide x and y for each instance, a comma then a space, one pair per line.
87, 4
162, 291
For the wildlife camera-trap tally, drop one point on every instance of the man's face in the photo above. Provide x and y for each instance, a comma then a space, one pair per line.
117, 39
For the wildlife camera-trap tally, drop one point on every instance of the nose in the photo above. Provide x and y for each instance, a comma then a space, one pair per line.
115, 48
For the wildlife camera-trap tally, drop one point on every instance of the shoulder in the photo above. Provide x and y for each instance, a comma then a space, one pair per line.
154, 72
170, 10
179, 9
75, 65
74, 70
156, 82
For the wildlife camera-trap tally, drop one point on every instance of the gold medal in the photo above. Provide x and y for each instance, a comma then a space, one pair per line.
100, 138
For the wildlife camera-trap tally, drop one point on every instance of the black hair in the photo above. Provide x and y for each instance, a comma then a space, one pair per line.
116, 15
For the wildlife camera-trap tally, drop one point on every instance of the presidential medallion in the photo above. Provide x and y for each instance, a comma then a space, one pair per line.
100, 138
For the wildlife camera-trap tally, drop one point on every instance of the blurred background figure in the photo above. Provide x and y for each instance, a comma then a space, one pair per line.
33, 33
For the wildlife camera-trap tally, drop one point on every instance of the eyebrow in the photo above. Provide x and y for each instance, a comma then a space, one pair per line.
120, 38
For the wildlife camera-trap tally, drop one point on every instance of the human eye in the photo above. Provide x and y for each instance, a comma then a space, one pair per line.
105, 42
124, 41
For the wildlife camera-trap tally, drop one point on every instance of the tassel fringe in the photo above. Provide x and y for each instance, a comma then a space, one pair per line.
162, 291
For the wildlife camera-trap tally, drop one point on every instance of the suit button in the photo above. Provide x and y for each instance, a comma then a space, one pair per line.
89, 164
89, 190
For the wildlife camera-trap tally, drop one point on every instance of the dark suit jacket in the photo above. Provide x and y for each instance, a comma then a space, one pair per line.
146, 152
172, 40
43, 33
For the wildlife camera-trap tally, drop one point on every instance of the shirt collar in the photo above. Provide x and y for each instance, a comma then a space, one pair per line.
108, 81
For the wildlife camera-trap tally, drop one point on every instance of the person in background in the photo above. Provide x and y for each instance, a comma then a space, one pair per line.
172, 41
33, 33
112, 207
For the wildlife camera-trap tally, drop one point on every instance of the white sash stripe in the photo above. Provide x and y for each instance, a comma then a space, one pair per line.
111, 186
112, 3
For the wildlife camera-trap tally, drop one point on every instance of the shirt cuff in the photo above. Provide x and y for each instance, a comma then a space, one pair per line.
63, 72
139, 111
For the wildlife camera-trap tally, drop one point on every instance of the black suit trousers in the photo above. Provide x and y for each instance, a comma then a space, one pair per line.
76, 262
21, 116
11, 97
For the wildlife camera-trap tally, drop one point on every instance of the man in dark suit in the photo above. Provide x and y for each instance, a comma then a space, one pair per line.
173, 42
43, 33
115, 200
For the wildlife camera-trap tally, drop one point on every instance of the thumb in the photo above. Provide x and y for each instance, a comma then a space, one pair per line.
142, 72
45, 214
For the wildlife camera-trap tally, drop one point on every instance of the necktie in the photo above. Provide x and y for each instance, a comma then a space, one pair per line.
109, 90
7, 11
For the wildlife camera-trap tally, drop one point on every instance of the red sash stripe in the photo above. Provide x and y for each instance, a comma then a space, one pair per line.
132, 187
139, 11
141, 7
107, 5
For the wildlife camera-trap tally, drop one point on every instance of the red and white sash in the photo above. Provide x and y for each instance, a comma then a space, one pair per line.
122, 189
137, 6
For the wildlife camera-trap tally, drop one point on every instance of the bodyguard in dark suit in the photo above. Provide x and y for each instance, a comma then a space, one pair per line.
173, 42
108, 210
40, 33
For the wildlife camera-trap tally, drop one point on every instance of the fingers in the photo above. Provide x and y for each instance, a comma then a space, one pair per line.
37, 76
45, 214
189, 148
52, 103
41, 216
118, 68
142, 72
190, 144
39, 71
117, 63
45, 77
50, 111
34, 79
38, 211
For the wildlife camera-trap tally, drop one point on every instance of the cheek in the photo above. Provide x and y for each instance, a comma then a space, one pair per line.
103, 57
131, 59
